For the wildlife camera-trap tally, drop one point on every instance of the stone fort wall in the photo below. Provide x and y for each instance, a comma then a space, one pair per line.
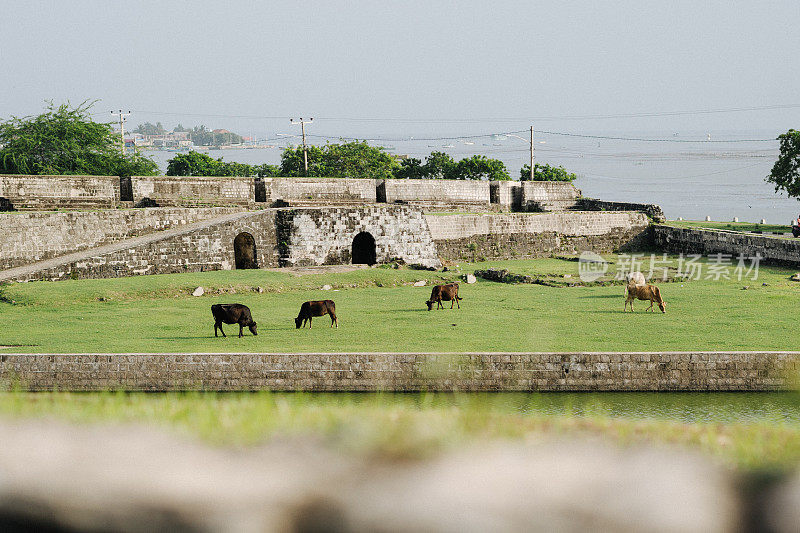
28, 236
59, 192
507, 236
775, 250
589, 371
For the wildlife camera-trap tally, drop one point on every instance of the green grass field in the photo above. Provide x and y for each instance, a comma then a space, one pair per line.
731, 226
379, 310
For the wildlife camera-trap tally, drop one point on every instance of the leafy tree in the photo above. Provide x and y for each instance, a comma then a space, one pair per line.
546, 173
65, 140
479, 167
150, 129
410, 168
439, 165
197, 164
355, 159
785, 172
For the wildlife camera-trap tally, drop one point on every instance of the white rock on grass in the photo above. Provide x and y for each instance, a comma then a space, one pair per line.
420, 283
471, 279
326, 287
198, 291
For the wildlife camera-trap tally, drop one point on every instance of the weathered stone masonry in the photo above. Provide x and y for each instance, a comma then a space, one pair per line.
595, 371
28, 236
705, 242
462, 237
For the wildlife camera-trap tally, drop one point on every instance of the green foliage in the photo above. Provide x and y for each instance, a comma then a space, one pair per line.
786, 171
480, 167
197, 164
65, 140
546, 173
410, 168
439, 165
150, 129
355, 159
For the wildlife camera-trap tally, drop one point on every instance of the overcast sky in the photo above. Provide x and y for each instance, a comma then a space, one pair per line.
485, 62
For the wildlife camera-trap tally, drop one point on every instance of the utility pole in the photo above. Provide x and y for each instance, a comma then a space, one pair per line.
303, 129
532, 167
122, 118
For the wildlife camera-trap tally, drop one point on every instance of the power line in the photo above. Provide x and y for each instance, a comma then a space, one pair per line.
644, 139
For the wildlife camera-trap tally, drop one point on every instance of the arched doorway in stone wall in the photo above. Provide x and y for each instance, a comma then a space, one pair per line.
364, 252
244, 251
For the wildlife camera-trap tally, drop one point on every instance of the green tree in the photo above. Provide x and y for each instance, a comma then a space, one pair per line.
65, 140
479, 167
546, 173
197, 164
150, 129
439, 165
410, 168
355, 159
785, 172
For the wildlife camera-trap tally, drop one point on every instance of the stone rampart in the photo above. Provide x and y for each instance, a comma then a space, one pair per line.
651, 210
316, 191
161, 191
506, 236
59, 192
325, 236
548, 196
587, 371
775, 250
439, 194
27, 237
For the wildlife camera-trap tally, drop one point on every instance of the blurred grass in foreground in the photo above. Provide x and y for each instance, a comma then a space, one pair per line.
410, 426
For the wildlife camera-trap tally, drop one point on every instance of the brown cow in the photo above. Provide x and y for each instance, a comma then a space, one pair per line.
447, 293
645, 292
232, 314
316, 308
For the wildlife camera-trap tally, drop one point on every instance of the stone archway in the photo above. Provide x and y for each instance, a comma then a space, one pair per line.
244, 251
364, 251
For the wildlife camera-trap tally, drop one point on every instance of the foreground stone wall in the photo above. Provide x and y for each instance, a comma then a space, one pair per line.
27, 237
59, 192
548, 196
773, 250
192, 191
589, 371
325, 236
505, 236
651, 210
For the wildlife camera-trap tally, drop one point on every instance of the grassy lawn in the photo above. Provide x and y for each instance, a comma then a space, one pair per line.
400, 426
379, 310
731, 226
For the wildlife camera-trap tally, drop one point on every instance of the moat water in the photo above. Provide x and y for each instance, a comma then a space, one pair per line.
685, 407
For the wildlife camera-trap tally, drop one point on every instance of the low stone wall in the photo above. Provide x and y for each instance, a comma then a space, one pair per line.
548, 196
588, 371
151, 191
775, 250
315, 191
59, 192
439, 194
651, 210
325, 236
505, 236
28, 237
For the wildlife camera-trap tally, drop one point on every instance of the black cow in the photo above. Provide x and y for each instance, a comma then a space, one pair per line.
232, 314
316, 308
447, 293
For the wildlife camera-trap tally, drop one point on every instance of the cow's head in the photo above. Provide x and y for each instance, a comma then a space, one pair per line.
429, 303
662, 306
253, 328
298, 322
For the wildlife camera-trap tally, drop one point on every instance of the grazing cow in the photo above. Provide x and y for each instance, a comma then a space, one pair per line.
316, 308
644, 292
635, 278
232, 314
447, 293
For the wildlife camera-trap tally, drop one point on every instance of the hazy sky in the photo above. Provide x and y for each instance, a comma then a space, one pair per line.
438, 61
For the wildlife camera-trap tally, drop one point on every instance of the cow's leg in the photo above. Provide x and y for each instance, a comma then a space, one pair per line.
309, 322
333, 320
215, 328
651, 306
221, 330
240, 330
457, 302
